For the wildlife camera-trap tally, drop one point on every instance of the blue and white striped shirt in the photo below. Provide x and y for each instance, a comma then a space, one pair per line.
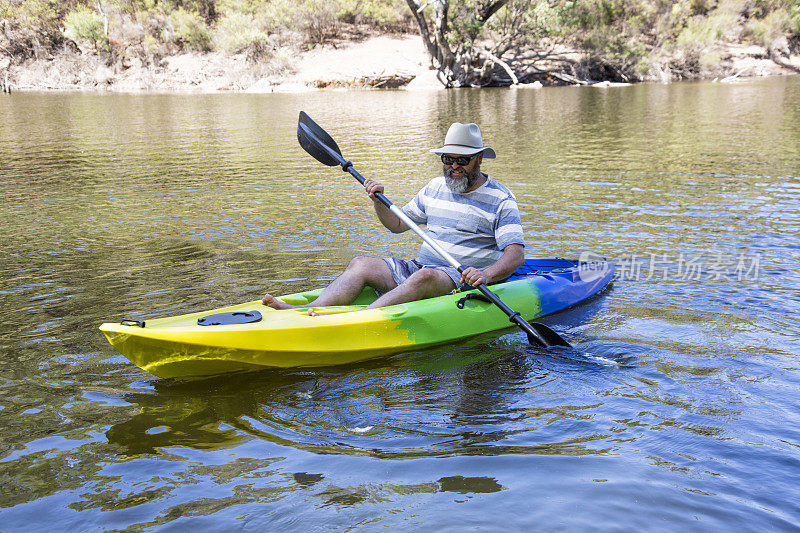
473, 227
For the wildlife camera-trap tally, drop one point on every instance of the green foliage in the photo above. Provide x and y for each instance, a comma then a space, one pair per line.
794, 21
619, 57
317, 19
545, 19
85, 25
207, 9
314, 20
376, 12
530, 21
594, 13
190, 30
774, 25
248, 7
701, 32
34, 13
239, 33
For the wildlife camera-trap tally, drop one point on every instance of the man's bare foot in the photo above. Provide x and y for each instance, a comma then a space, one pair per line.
271, 301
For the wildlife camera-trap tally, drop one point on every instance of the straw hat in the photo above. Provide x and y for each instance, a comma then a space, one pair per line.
464, 139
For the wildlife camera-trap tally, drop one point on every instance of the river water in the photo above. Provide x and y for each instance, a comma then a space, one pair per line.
131, 205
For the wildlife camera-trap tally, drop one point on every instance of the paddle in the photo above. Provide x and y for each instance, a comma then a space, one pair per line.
324, 149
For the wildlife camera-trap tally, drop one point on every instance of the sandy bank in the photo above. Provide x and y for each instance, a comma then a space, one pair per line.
376, 62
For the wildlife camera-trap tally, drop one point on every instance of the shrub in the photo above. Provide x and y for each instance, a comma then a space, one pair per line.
701, 32
85, 25
153, 47
617, 57
277, 14
317, 19
794, 21
385, 13
314, 19
33, 14
126, 29
190, 30
238, 33
767, 30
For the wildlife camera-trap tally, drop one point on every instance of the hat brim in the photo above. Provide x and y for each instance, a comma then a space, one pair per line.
488, 153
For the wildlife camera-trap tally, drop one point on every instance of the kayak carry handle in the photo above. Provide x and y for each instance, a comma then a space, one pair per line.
472, 296
132, 322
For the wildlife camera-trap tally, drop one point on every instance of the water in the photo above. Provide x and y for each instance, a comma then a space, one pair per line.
147, 206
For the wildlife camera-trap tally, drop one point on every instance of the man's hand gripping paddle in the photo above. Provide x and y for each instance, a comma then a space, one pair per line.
324, 149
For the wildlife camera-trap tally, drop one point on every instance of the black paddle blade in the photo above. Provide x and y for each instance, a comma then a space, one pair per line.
551, 337
317, 142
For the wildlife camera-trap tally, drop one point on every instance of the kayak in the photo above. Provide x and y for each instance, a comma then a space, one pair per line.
252, 336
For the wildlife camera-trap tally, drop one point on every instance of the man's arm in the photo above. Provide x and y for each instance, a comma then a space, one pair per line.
513, 257
390, 221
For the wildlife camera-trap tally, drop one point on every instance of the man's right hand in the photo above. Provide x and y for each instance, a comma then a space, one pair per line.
372, 188
389, 220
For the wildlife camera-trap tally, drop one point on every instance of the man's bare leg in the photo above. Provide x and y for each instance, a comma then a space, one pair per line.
360, 273
424, 283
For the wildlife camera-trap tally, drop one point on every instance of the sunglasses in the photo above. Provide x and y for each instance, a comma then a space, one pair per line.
461, 160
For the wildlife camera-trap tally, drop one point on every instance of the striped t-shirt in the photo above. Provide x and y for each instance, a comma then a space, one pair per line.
474, 227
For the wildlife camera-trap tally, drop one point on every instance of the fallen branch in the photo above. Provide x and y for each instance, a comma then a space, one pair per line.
731, 79
568, 79
506, 67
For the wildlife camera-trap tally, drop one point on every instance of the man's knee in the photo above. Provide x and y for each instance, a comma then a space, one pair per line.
373, 271
366, 264
431, 281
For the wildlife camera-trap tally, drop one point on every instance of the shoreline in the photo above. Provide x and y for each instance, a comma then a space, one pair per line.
373, 63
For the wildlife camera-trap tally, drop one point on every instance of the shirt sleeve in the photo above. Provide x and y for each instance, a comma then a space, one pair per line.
415, 209
508, 226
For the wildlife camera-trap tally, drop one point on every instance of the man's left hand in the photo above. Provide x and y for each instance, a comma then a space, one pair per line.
474, 277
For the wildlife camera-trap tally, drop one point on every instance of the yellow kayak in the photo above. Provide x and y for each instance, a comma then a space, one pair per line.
212, 342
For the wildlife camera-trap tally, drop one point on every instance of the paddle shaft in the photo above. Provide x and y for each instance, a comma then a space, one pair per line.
514, 316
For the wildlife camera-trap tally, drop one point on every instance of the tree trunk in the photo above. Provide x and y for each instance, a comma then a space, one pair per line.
451, 45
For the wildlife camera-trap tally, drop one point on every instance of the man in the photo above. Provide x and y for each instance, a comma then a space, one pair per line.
473, 217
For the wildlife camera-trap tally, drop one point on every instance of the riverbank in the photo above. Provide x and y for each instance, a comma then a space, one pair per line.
372, 62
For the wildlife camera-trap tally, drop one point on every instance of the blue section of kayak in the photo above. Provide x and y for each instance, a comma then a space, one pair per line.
563, 283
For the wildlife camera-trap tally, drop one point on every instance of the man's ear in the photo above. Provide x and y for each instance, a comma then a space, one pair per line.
480, 158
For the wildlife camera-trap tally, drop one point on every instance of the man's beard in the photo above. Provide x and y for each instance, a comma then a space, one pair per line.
461, 184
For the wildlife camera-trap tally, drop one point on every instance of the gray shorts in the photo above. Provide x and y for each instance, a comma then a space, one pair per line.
403, 268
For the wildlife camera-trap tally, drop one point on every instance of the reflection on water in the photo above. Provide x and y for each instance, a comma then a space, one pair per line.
150, 205
473, 405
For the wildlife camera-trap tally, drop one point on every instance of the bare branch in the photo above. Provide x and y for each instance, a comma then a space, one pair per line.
421, 8
514, 79
489, 10
427, 39
105, 18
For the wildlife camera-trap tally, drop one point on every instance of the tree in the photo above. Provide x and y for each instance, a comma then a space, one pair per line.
450, 32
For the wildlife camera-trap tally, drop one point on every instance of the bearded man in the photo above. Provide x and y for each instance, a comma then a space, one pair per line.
469, 214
